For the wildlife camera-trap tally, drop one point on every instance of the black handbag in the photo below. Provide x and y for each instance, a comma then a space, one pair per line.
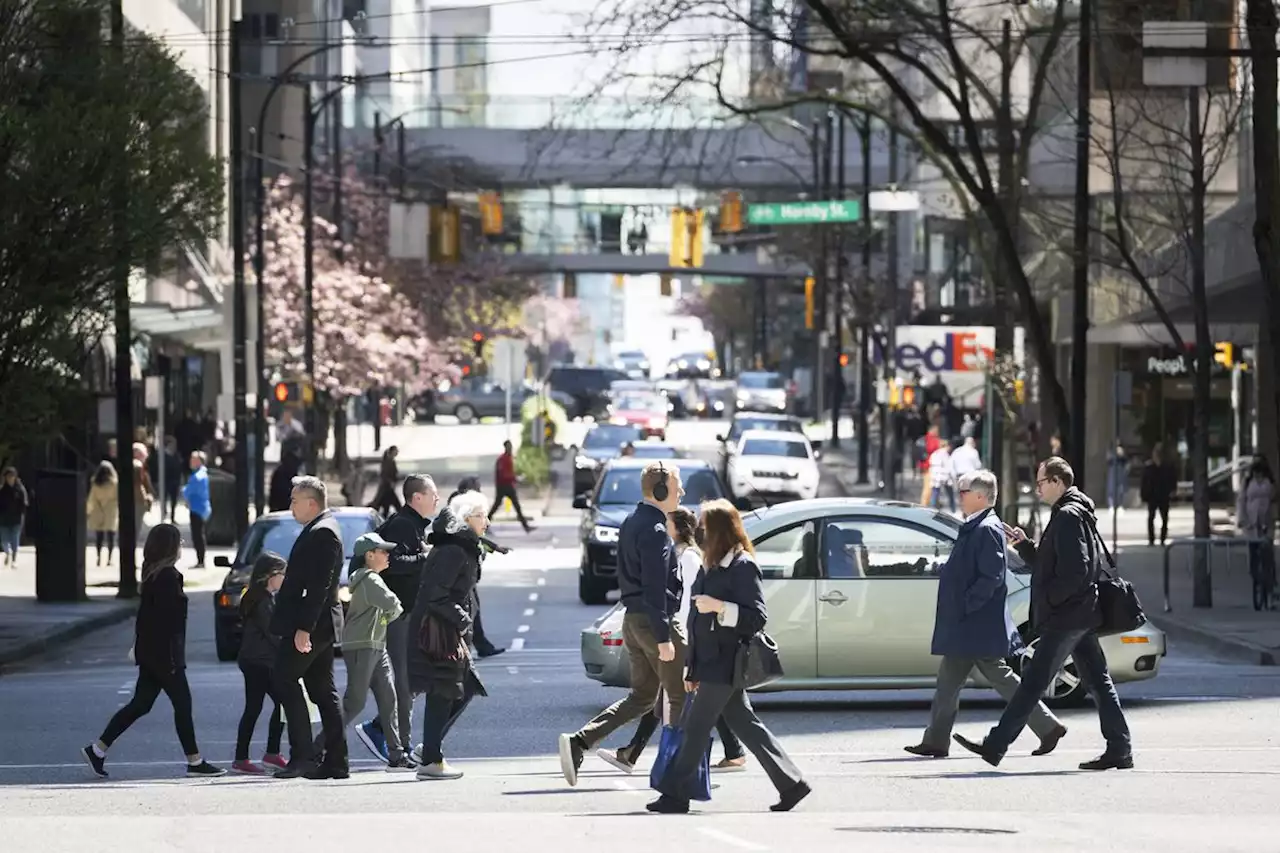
756, 663
1117, 599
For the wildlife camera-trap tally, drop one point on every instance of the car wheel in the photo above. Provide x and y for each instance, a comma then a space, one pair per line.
591, 590
1067, 689
227, 649
465, 414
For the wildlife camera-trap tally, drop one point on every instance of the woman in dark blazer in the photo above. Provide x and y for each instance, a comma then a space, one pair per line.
440, 663
728, 610
159, 650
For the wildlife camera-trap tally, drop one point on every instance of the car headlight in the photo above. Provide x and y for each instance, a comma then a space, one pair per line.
602, 533
344, 594
719, 405
743, 396
584, 462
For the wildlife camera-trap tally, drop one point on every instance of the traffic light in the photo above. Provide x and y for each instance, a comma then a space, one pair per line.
570, 286
282, 392
908, 396
477, 346
844, 359
619, 281
293, 392
445, 234
1224, 354
490, 214
731, 212
664, 284
808, 302
686, 237
695, 238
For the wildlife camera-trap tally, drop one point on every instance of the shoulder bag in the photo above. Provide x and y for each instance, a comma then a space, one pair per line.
756, 663
1117, 599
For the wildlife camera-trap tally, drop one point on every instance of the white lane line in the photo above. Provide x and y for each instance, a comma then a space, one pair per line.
533, 596
517, 645
528, 611
731, 840
523, 629
629, 787
513, 670
542, 581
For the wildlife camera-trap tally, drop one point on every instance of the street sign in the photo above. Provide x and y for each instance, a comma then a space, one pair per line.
803, 212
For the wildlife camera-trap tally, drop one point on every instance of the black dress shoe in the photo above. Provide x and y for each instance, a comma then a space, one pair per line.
492, 651
792, 797
925, 751
980, 750
1050, 741
325, 771
1109, 762
668, 805
296, 770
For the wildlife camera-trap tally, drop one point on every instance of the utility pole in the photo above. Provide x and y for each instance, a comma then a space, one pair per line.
239, 321
837, 294
1080, 250
1000, 295
128, 587
888, 428
865, 378
824, 272
309, 273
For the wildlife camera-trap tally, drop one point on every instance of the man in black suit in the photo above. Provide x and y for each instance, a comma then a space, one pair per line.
308, 619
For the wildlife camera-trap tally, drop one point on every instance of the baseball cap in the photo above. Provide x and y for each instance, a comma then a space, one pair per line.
372, 542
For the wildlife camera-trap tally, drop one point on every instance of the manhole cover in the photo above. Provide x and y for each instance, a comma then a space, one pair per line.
932, 830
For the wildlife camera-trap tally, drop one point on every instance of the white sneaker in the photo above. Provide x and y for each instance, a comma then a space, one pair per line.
613, 759
438, 772
416, 754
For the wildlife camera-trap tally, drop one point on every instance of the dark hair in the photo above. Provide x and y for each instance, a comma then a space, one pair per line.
106, 473
724, 532
268, 564
686, 525
163, 546
1260, 468
1057, 468
416, 484
466, 484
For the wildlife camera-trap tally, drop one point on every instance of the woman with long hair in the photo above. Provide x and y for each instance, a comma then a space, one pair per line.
727, 611
682, 525
385, 499
1255, 518
258, 647
159, 650
103, 509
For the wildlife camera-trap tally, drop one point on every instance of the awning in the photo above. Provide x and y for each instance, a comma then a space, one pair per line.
164, 320
1155, 334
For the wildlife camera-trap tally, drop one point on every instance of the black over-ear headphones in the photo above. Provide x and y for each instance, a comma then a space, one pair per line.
660, 489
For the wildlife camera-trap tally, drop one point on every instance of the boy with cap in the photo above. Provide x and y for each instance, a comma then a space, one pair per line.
364, 642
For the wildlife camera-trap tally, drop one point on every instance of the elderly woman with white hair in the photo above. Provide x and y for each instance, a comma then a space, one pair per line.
440, 665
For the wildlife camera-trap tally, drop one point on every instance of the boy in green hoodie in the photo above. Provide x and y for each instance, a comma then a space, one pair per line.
364, 643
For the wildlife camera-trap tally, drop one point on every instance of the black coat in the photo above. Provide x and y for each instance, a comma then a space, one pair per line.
13, 504
258, 646
408, 531
1159, 482
1065, 568
280, 493
310, 587
649, 569
447, 593
713, 646
160, 635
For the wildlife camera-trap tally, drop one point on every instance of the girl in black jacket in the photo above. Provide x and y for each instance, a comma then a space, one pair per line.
257, 657
728, 610
159, 650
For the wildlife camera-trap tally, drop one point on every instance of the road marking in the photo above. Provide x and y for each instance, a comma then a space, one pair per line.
528, 611
533, 596
732, 840
513, 670
517, 645
523, 629
628, 787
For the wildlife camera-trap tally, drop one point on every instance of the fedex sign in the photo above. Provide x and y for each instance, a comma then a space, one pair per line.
958, 355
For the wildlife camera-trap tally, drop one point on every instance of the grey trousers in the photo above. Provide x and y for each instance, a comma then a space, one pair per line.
371, 668
953, 672
709, 703
398, 650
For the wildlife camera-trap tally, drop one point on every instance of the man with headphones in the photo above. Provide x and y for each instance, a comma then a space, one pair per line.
649, 580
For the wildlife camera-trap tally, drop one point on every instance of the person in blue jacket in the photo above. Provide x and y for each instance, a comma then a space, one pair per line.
196, 493
973, 629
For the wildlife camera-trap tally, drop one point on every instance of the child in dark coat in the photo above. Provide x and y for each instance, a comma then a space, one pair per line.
257, 657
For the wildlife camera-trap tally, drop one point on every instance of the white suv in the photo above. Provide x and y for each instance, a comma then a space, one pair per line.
773, 466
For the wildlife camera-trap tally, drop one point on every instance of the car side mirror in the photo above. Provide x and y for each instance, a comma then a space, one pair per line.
743, 504
222, 562
817, 454
720, 438
581, 502
816, 444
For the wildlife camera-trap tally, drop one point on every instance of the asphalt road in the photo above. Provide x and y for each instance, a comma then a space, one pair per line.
1204, 735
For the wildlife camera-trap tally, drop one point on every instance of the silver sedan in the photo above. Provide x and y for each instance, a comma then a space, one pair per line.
851, 587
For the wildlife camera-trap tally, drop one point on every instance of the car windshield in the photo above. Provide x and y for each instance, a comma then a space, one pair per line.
279, 534
638, 401
621, 487
754, 381
611, 435
741, 425
775, 447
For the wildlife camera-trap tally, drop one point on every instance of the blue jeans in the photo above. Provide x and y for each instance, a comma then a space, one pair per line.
939, 491
1052, 650
10, 538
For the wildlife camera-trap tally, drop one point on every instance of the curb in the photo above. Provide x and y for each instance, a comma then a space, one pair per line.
1238, 650
65, 633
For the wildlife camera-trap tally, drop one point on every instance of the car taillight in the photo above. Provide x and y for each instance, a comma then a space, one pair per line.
608, 639
224, 600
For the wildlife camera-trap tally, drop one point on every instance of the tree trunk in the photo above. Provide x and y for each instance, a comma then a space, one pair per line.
340, 458
1203, 586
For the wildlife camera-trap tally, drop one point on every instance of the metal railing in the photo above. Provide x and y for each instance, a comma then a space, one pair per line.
1237, 550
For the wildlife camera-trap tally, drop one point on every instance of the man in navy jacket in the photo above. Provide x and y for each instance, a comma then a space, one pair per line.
973, 629
649, 580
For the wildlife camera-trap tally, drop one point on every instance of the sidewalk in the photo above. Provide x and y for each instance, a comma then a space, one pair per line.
1231, 627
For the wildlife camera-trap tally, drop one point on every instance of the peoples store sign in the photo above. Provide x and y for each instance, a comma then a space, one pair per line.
957, 354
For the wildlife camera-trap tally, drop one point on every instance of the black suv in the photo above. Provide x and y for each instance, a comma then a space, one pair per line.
587, 386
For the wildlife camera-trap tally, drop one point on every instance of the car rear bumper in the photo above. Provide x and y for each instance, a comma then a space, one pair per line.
605, 664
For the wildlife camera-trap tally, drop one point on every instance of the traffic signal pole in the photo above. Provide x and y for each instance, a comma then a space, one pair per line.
837, 292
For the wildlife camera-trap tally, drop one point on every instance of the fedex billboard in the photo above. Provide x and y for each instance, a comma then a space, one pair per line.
957, 354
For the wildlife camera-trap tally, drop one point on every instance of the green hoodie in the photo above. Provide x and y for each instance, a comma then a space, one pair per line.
372, 606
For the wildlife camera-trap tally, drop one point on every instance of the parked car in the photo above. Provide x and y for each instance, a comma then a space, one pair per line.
601, 443
612, 500
275, 531
759, 391
585, 389
743, 422
773, 466
851, 587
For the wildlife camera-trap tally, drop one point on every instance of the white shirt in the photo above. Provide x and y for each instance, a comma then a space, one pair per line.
940, 467
964, 460
690, 562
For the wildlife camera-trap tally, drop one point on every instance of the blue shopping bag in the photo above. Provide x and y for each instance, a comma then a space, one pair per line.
698, 786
